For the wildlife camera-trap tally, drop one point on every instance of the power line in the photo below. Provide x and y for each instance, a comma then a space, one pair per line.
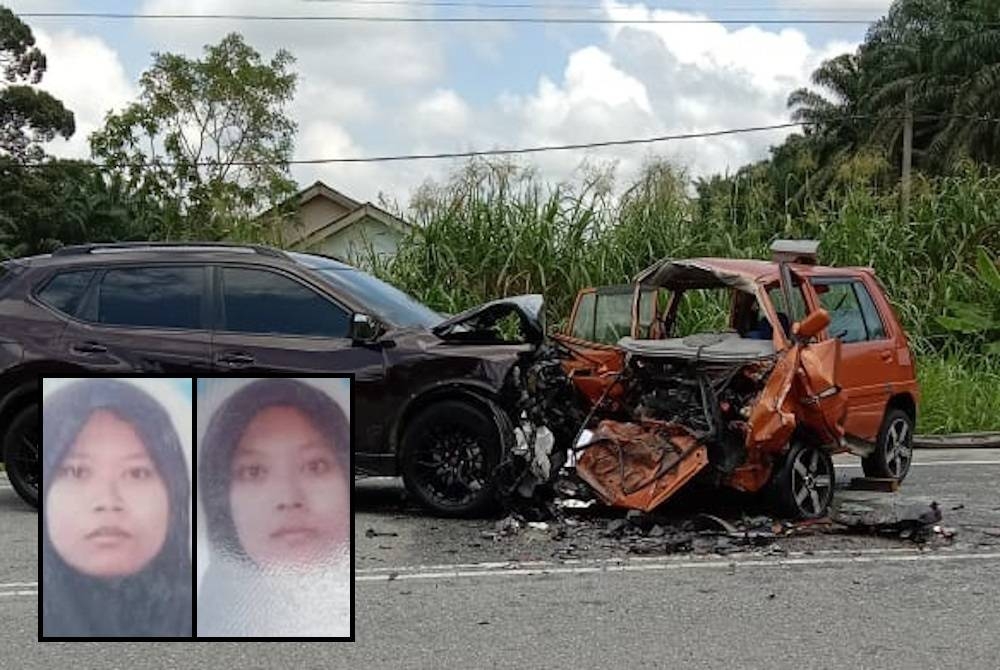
582, 6
536, 149
332, 18
476, 154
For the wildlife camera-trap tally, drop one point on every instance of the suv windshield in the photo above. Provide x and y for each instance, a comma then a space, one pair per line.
385, 300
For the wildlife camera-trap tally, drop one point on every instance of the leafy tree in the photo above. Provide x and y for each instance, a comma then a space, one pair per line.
68, 202
28, 117
207, 137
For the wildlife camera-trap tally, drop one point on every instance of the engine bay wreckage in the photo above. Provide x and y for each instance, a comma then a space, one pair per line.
641, 420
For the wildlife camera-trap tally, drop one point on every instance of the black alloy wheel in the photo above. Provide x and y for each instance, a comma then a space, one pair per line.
22, 454
450, 454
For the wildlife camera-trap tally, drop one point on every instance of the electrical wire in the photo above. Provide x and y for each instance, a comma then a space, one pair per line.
532, 150
346, 18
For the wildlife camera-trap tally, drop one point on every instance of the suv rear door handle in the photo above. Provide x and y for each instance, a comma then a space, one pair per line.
887, 356
236, 360
88, 348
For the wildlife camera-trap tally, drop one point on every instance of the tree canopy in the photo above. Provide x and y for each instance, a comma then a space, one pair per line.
207, 136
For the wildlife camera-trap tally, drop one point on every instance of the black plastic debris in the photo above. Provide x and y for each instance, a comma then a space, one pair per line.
916, 524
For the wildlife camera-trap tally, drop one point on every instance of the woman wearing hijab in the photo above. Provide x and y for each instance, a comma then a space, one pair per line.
116, 536
274, 481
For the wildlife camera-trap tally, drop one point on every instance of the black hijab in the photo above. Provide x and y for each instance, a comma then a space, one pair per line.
156, 601
237, 597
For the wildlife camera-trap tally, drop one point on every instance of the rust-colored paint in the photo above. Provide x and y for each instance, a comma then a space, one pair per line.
640, 465
593, 368
754, 474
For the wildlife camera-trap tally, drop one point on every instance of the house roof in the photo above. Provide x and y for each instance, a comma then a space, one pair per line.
355, 212
366, 210
318, 189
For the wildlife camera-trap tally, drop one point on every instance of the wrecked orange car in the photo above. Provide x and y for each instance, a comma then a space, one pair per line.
804, 361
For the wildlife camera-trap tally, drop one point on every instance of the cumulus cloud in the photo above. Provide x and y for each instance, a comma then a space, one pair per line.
375, 89
87, 75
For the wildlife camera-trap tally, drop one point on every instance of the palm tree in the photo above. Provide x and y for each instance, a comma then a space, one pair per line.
836, 116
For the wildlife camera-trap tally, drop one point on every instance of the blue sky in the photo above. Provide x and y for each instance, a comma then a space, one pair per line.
389, 88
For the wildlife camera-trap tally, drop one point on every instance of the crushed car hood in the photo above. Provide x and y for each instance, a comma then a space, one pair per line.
528, 308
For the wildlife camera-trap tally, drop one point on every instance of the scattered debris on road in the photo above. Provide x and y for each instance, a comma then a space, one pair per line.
647, 533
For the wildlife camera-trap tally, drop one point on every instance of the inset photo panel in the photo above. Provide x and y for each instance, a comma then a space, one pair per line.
274, 479
115, 536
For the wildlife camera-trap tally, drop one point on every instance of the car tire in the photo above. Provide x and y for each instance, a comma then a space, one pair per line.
893, 447
803, 483
450, 454
22, 454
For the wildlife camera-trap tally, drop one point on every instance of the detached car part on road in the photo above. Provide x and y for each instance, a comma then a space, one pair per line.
813, 362
432, 399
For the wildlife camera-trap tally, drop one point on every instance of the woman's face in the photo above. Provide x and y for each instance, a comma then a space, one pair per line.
289, 496
107, 508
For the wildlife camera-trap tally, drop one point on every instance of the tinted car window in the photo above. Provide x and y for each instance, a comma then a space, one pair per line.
258, 301
583, 325
647, 305
65, 291
873, 321
840, 300
157, 297
613, 317
385, 300
799, 310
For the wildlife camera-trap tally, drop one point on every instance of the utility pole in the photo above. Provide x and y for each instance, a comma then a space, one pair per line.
907, 156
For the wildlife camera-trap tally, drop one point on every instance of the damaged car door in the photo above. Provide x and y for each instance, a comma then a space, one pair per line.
744, 408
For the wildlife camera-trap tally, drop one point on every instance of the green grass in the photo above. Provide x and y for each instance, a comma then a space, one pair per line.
958, 394
496, 229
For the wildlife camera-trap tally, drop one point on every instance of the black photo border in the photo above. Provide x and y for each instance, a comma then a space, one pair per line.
194, 637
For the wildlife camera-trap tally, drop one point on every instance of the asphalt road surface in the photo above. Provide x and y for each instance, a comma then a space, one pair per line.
433, 593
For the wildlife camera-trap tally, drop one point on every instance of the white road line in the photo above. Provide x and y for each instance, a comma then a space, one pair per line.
11, 594
617, 561
711, 564
10, 585
926, 464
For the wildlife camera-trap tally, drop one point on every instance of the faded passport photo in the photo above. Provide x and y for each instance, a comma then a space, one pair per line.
274, 506
116, 532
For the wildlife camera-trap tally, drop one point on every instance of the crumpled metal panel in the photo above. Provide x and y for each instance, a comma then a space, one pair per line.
772, 418
820, 403
640, 465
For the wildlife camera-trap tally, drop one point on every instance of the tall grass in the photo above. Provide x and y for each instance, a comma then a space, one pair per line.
496, 229
958, 394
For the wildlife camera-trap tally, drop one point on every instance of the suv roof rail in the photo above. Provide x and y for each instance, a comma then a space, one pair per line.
112, 247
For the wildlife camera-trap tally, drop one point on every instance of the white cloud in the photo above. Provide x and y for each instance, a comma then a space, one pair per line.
368, 89
442, 113
88, 77
826, 5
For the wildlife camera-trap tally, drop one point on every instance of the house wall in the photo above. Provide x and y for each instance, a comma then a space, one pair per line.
351, 244
314, 214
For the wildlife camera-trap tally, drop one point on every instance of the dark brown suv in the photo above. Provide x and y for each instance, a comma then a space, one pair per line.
430, 393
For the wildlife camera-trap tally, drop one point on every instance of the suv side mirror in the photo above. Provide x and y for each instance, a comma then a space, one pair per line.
365, 329
810, 326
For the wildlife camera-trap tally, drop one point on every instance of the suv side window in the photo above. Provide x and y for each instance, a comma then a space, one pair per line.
153, 297
853, 316
263, 302
66, 290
